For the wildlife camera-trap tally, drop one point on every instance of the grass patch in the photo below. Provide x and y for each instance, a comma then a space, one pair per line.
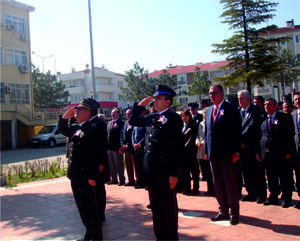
32, 171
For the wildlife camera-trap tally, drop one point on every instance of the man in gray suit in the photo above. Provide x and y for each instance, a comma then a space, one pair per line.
222, 144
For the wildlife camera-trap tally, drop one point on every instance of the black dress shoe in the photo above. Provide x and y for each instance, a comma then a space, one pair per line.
286, 203
111, 183
187, 192
297, 205
234, 220
122, 183
220, 217
148, 206
271, 202
248, 198
260, 200
209, 194
130, 184
194, 192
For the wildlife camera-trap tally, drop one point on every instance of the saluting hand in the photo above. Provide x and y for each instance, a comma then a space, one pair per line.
235, 157
173, 181
145, 101
92, 182
69, 113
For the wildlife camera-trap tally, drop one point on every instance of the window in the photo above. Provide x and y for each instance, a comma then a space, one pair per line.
19, 94
75, 83
183, 101
297, 38
298, 57
1, 56
15, 24
16, 57
181, 79
2, 92
282, 43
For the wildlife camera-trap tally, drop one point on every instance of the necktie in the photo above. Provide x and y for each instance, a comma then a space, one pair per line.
243, 114
269, 123
112, 125
215, 113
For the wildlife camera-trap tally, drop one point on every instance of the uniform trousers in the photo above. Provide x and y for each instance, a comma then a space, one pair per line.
280, 176
226, 185
164, 208
89, 202
129, 160
116, 166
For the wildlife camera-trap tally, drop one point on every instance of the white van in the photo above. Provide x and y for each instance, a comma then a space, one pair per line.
49, 136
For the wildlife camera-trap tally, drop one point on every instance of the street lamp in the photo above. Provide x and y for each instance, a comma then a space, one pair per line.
44, 57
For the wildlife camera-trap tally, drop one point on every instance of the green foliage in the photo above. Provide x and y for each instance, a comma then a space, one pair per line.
47, 90
252, 58
32, 171
201, 83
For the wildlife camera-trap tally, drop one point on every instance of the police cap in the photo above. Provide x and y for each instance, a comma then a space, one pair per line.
162, 89
193, 105
90, 104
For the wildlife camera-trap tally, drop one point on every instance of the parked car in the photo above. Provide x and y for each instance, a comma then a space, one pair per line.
49, 136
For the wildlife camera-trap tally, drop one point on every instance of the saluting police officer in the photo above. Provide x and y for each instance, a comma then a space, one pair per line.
163, 157
88, 155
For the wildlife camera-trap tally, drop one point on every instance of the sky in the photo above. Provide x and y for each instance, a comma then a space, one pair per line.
154, 33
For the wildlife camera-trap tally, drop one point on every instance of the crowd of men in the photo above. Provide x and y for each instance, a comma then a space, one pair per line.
162, 152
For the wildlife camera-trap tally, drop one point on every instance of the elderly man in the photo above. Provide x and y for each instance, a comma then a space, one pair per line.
277, 148
253, 170
163, 157
89, 146
223, 144
115, 157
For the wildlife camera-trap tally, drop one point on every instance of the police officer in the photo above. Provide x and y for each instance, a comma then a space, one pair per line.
164, 151
88, 155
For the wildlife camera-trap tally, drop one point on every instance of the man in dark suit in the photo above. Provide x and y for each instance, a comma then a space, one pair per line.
89, 147
277, 148
252, 169
259, 101
296, 158
223, 144
163, 157
115, 157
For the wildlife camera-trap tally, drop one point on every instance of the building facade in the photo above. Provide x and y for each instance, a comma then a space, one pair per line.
291, 31
185, 79
79, 84
15, 73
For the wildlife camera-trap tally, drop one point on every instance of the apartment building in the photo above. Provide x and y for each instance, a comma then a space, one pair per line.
293, 45
79, 84
185, 79
15, 75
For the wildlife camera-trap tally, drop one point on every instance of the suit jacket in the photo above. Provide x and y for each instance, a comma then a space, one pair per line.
164, 142
251, 133
189, 138
223, 137
297, 132
89, 142
114, 135
198, 118
126, 136
279, 141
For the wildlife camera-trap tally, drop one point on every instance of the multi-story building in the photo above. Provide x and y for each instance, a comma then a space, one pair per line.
15, 75
79, 84
185, 79
293, 45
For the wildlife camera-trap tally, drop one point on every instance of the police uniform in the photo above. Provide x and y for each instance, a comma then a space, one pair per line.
163, 157
88, 151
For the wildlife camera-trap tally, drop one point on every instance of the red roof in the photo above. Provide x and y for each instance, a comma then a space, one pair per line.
283, 30
190, 68
103, 104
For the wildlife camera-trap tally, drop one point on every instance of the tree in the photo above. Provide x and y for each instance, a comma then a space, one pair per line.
201, 83
251, 57
290, 70
47, 90
137, 84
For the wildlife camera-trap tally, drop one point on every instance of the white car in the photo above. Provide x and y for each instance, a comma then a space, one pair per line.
49, 136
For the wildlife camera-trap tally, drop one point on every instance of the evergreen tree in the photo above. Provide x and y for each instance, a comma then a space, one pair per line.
137, 84
252, 57
201, 83
48, 92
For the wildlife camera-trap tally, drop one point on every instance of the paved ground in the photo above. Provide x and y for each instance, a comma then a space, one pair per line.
46, 210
